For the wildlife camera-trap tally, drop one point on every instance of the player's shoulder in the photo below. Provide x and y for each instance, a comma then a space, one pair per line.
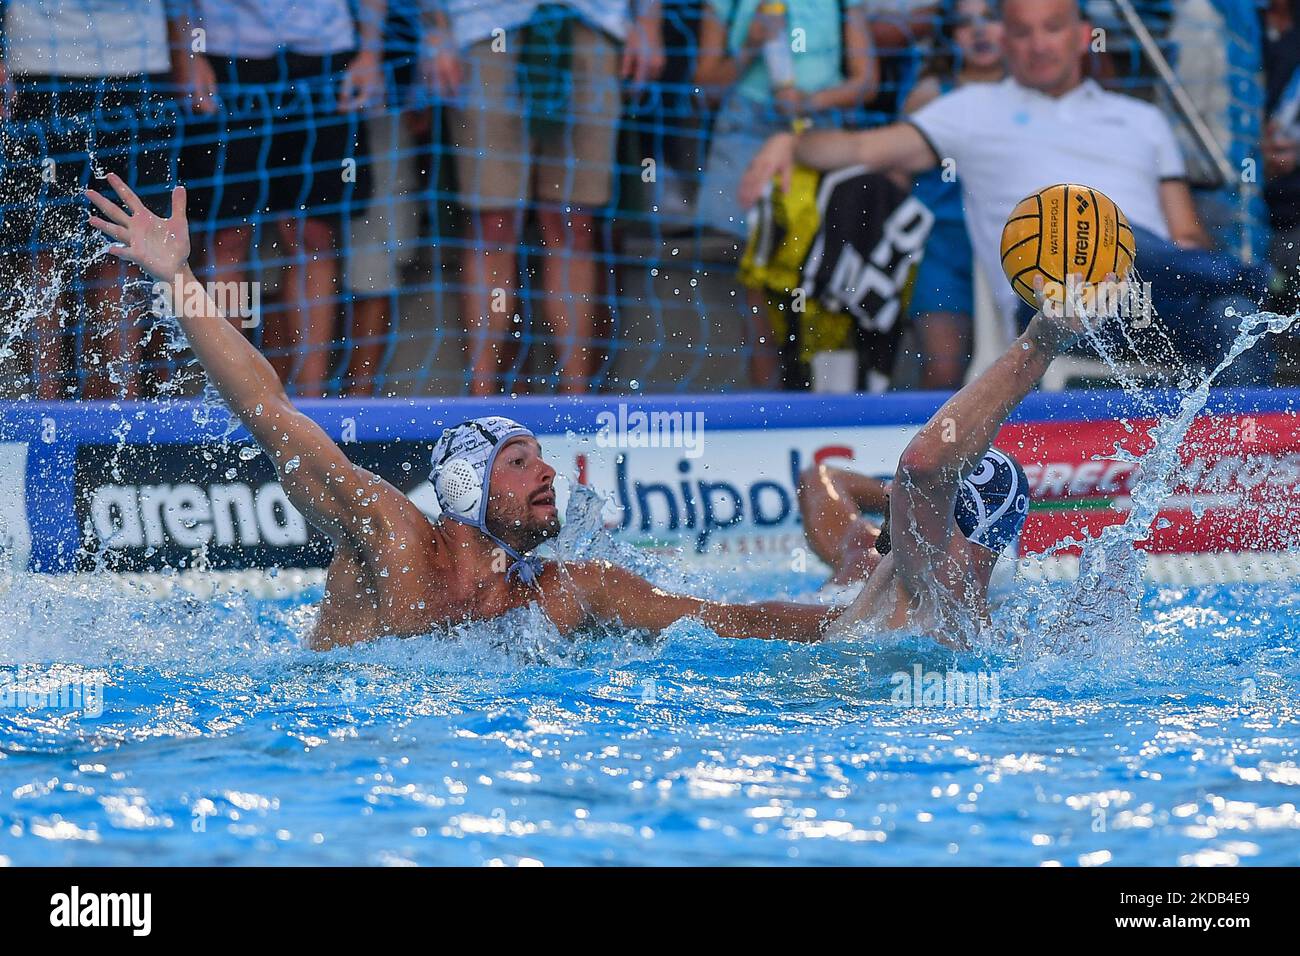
592, 573
387, 506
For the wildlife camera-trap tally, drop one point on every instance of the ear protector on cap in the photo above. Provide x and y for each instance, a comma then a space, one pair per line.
462, 465
458, 488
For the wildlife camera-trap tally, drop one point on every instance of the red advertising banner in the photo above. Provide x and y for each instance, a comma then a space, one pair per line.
1237, 489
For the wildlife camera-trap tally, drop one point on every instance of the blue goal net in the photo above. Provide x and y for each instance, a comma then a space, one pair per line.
458, 196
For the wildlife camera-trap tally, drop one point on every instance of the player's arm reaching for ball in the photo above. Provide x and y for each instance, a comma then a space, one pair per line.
613, 594
329, 490
957, 437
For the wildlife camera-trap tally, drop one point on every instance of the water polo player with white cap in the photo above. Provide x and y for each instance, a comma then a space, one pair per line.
462, 474
489, 476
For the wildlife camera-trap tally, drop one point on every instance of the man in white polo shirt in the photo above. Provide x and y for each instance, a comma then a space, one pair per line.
1046, 124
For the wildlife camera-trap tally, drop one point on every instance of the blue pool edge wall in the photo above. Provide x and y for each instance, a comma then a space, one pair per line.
50, 433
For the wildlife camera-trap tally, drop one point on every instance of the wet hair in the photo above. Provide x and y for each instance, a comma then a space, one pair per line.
883, 544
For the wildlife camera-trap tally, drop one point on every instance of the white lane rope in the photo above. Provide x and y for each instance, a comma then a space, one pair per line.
288, 583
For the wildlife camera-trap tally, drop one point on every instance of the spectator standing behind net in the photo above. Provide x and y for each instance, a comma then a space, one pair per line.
901, 31
504, 169
84, 84
897, 25
770, 66
1282, 149
1045, 124
942, 306
384, 234
282, 83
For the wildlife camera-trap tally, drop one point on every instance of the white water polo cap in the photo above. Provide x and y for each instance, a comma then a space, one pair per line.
462, 470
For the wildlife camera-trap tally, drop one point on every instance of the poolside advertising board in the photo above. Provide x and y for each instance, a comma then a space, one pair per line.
709, 478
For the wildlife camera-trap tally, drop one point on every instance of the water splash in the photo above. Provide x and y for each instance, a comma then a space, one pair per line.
1098, 614
585, 537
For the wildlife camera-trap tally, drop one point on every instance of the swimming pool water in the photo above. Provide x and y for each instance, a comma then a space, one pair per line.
223, 741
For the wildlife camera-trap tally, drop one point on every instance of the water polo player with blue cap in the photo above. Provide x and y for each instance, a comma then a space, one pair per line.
956, 503
990, 507
834, 503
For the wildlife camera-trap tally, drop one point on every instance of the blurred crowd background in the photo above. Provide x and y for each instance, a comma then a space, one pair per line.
515, 197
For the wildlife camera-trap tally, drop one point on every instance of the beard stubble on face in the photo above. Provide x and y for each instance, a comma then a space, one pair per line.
516, 523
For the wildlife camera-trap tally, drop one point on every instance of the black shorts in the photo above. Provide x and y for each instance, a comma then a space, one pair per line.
277, 145
63, 135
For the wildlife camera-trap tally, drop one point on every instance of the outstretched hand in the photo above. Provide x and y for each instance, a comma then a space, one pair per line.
775, 159
159, 246
1067, 313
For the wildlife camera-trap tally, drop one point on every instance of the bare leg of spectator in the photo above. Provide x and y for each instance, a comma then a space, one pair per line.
111, 350
311, 282
48, 367
944, 341
489, 300
369, 327
230, 256
760, 339
569, 278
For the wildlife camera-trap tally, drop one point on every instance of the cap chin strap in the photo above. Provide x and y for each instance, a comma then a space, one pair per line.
528, 571
525, 566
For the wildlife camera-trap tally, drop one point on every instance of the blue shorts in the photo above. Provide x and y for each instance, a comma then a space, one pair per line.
944, 281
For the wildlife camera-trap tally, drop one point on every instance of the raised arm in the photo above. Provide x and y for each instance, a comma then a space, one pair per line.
925, 485
896, 148
329, 490
611, 593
